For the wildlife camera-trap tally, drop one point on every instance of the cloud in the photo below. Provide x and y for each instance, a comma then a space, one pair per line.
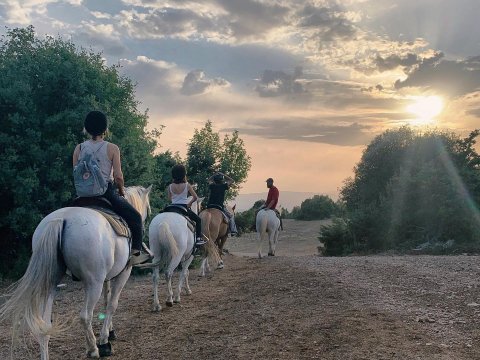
448, 77
308, 131
22, 11
196, 82
102, 37
276, 83
155, 78
326, 23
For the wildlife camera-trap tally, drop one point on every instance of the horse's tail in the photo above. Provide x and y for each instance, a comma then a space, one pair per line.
210, 248
261, 223
168, 248
27, 298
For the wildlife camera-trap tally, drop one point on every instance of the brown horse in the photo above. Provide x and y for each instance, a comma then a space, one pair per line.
215, 228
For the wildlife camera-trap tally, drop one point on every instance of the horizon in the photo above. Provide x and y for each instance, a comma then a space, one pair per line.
308, 84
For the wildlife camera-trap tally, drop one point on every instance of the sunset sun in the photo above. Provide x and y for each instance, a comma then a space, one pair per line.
425, 108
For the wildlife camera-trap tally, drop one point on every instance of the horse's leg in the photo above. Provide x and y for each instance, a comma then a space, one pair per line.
93, 292
183, 278
261, 237
155, 279
271, 246
203, 266
107, 290
168, 278
275, 240
47, 317
112, 305
221, 243
188, 291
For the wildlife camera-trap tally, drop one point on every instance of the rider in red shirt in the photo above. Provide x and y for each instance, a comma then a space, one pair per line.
272, 198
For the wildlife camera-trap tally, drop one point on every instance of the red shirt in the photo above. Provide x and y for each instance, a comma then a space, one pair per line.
272, 195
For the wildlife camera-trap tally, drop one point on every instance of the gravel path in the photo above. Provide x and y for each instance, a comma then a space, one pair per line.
293, 307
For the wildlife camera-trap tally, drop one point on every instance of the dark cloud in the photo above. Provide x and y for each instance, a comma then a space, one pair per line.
451, 78
276, 83
169, 21
196, 82
474, 112
393, 61
308, 130
253, 18
327, 23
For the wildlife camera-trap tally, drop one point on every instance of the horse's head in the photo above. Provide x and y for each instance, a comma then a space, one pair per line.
197, 205
139, 198
231, 209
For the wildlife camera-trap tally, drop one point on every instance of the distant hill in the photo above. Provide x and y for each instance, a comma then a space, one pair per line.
288, 199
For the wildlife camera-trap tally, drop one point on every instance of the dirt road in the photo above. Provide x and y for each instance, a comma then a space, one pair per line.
294, 307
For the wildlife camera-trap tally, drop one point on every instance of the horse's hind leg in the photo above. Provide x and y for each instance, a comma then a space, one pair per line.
107, 329
47, 317
107, 290
93, 292
184, 278
155, 278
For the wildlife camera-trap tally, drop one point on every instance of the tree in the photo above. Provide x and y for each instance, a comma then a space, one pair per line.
46, 88
412, 188
319, 207
207, 155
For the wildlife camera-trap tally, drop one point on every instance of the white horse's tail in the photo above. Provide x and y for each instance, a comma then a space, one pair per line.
168, 248
27, 298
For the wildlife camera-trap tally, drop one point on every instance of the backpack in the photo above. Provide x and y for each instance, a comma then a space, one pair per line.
87, 176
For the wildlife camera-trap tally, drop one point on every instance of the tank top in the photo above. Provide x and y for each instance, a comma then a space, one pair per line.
181, 198
99, 148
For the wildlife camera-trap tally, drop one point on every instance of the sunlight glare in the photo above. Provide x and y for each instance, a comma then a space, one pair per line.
425, 108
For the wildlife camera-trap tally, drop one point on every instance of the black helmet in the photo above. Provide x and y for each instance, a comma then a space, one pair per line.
95, 123
218, 178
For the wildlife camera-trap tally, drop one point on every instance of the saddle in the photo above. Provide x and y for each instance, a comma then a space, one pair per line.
226, 217
104, 207
172, 208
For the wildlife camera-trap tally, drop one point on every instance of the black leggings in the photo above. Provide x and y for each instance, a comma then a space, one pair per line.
194, 217
132, 217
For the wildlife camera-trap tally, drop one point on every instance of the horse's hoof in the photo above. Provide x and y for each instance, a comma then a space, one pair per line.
157, 308
176, 301
169, 303
220, 265
188, 292
105, 349
259, 255
112, 336
271, 254
93, 354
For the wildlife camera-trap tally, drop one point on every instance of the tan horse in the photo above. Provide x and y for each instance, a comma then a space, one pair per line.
215, 228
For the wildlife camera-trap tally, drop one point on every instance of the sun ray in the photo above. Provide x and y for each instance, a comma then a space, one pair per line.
425, 108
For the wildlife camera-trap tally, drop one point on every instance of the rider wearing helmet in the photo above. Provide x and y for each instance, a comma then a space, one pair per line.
108, 156
219, 183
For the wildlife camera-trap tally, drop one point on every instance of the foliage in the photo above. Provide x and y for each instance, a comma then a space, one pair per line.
413, 188
46, 88
318, 207
245, 220
207, 155
336, 238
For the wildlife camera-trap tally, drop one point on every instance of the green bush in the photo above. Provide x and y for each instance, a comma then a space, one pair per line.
336, 238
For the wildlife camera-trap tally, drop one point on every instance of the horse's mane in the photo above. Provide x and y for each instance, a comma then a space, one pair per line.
134, 195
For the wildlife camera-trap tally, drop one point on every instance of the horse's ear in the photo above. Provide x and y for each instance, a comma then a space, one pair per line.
199, 200
234, 206
149, 189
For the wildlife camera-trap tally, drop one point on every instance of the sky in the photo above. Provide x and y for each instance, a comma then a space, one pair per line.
307, 83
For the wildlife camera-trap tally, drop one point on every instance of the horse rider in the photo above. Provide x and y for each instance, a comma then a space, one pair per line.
272, 199
108, 157
218, 184
177, 193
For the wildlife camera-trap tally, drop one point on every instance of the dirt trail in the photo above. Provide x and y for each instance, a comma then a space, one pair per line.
295, 307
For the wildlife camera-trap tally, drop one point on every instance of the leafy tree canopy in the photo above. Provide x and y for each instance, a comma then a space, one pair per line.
46, 89
207, 154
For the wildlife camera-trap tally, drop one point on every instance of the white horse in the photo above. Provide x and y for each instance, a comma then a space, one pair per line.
171, 242
82, 241
267, 224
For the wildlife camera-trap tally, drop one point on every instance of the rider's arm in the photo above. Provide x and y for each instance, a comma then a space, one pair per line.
194, 195
210, 179
117, 169
228, 179
76, 154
